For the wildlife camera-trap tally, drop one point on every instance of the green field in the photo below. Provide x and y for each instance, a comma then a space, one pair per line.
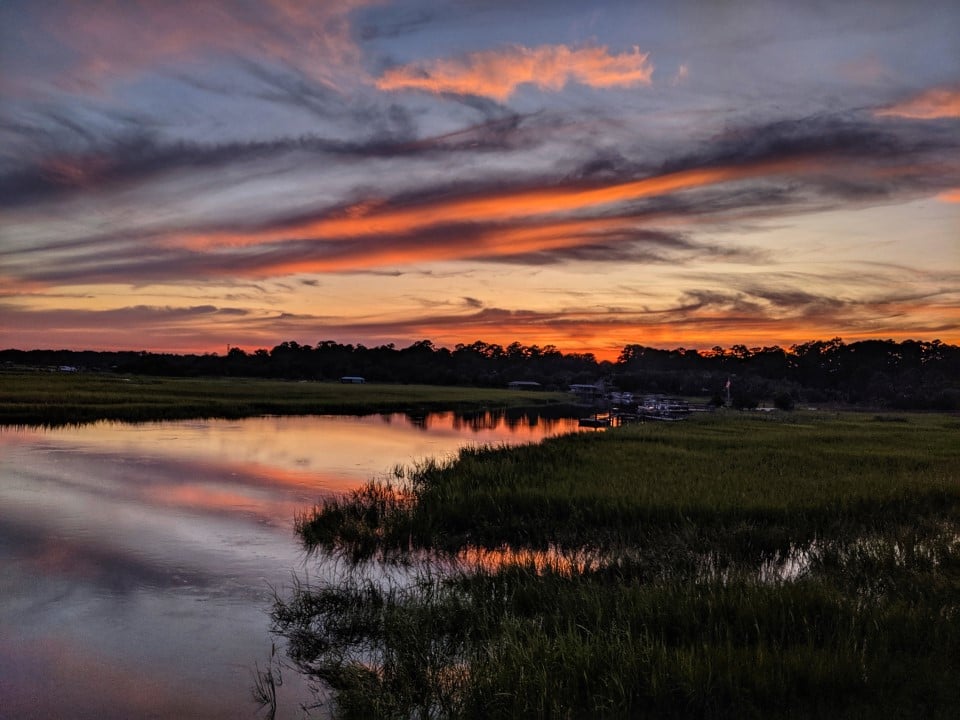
790, 566
59, 398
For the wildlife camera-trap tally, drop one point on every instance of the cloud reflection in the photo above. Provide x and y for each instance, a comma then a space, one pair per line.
138, 559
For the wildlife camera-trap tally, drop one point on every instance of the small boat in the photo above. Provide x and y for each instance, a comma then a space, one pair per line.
656, 407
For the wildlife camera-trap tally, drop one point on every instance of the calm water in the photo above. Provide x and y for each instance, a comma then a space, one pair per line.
136, 560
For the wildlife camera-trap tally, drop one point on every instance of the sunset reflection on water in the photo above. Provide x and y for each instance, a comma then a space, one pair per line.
143, 555
552, 560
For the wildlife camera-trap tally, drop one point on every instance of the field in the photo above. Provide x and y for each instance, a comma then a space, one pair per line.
789, 566
58, 398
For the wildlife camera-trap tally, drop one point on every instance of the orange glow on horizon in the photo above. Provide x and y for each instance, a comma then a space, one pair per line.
579, 335
574, 337
571, 330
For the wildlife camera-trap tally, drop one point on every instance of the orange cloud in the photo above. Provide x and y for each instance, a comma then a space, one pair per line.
371, 219
928, 105
950, 196
498, 73
495, 242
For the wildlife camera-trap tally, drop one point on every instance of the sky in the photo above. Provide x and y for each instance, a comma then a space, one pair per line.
186, 176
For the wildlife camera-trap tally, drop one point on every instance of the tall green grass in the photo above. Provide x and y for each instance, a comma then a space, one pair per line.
739, 567
720, 478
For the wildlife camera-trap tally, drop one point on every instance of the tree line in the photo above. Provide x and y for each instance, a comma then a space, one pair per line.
881, 373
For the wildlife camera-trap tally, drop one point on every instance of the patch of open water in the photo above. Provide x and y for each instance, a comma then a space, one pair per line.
137, 561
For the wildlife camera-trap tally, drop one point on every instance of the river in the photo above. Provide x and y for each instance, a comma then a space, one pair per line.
137, 560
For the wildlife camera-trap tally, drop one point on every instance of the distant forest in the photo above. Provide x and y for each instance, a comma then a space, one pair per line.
876, 373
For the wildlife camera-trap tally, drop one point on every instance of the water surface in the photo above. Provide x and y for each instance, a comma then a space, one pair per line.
136, 561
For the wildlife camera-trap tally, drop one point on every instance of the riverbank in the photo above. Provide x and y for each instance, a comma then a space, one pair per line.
798, 566
53, 398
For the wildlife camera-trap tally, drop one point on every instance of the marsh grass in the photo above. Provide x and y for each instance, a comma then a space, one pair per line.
265, 684
749, 484
46, 398
732, 566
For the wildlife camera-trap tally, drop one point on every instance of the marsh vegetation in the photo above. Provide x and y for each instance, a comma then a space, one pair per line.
730, 566
55, 398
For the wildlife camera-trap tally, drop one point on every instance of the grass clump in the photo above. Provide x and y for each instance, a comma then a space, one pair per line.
725, 567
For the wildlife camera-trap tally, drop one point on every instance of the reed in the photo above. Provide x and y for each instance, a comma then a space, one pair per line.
732, 566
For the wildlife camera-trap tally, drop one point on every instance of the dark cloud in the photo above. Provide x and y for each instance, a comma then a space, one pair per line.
106, 162
293, 88
852, 136
695, 301
130, 316
396, 21
619, 246
788, 294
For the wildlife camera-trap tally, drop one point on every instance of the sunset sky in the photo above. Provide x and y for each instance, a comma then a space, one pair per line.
183, 176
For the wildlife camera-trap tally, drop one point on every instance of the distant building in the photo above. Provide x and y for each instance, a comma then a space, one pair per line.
593, 392
352, 379
524, 385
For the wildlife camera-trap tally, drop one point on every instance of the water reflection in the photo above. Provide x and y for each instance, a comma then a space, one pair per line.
136, 560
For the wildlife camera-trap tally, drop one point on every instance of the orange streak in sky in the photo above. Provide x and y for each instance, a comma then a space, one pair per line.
365, 219
526, 203
495, 243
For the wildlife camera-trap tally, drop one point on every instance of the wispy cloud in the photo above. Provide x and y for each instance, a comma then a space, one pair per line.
98, 45
498, 73
614, 216
138, 155
683, 72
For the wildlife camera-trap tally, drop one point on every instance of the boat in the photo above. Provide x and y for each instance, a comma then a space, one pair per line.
663, 408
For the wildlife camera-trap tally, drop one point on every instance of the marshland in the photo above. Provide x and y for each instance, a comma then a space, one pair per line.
736, 564
790, 565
